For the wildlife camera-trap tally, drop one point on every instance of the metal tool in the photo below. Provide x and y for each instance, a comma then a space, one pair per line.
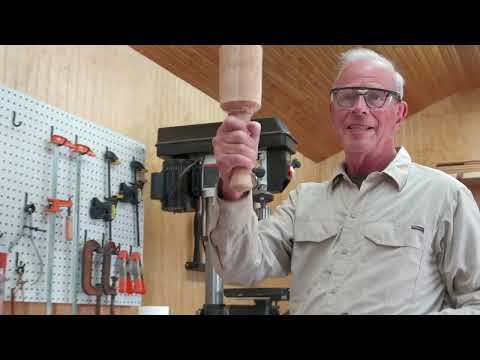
55, 142
78, 150
91, 247
27, 222
111, 159
125, 283
107, 209
19, 283
139, 181
3, 271
137, 273
109, 249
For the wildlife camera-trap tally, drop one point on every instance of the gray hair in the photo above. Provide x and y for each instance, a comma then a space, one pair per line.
357, 54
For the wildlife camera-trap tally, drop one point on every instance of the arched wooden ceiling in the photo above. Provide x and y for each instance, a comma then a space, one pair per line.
297, 80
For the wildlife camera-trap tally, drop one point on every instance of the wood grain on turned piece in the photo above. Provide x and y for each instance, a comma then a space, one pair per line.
240, 88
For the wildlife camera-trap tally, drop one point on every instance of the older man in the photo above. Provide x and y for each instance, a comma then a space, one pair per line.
384, 236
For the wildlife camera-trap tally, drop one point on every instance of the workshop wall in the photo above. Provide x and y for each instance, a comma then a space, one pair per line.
119, 88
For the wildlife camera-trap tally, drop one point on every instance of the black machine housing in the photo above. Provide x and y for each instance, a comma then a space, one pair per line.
184, 148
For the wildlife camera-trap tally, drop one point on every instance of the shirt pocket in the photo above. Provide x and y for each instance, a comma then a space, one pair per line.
390, 259
316, 231
391, 235
313, 240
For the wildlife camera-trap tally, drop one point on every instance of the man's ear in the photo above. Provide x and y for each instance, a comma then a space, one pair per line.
402, 112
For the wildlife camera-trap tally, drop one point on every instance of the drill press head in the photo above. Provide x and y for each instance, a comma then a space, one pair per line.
185, 148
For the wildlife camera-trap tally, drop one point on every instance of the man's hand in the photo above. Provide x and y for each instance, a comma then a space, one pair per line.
235, 145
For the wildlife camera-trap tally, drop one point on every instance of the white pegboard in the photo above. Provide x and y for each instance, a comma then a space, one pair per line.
25, 166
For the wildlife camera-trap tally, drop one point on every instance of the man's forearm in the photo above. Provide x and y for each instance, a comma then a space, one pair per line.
235, 240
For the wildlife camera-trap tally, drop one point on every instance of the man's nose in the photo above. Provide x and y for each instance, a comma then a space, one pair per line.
360, 105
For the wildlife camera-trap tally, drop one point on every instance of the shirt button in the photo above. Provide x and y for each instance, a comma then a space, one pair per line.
352, 216
328, 272
344, 252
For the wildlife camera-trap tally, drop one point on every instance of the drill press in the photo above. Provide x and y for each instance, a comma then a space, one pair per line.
187, 183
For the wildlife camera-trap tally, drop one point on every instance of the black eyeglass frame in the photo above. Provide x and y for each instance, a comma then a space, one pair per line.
391, 93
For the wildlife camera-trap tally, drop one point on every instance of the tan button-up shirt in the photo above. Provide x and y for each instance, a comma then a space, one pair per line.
406, 242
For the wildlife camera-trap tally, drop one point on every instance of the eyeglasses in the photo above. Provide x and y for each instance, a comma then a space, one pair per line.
375, 98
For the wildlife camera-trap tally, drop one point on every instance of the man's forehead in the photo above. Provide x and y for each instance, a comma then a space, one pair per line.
367, 73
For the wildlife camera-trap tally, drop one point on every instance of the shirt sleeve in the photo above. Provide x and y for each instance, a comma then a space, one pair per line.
246, 251
459, 260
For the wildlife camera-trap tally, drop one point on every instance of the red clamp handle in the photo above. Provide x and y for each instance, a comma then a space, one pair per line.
138, 284
55, 205
82, 149
79, 148
60, 141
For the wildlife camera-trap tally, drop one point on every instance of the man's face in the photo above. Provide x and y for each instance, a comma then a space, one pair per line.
362, 129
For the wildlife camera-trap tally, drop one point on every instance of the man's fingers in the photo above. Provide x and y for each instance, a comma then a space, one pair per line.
254, 129
240, 137
231, 123
228, 162
240, 149
235, 145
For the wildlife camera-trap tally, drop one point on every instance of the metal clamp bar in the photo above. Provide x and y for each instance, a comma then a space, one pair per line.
51, 231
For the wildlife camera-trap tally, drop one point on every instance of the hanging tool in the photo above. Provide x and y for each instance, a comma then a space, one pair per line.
125, 284
138, 181
35, 229
91, 247
106, 210
77, 152
137, 273
54, 206
102, 210
111, 159
63, 141
109, 289
68, 225
19, 283
133, 194
27, 222
139, 173
129, 194
3, 272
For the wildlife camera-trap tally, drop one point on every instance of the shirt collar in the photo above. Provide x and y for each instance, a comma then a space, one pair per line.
397, 170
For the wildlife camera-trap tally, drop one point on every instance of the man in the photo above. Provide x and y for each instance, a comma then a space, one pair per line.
383, 236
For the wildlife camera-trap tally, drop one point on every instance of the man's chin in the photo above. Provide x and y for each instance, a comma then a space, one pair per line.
356, 148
